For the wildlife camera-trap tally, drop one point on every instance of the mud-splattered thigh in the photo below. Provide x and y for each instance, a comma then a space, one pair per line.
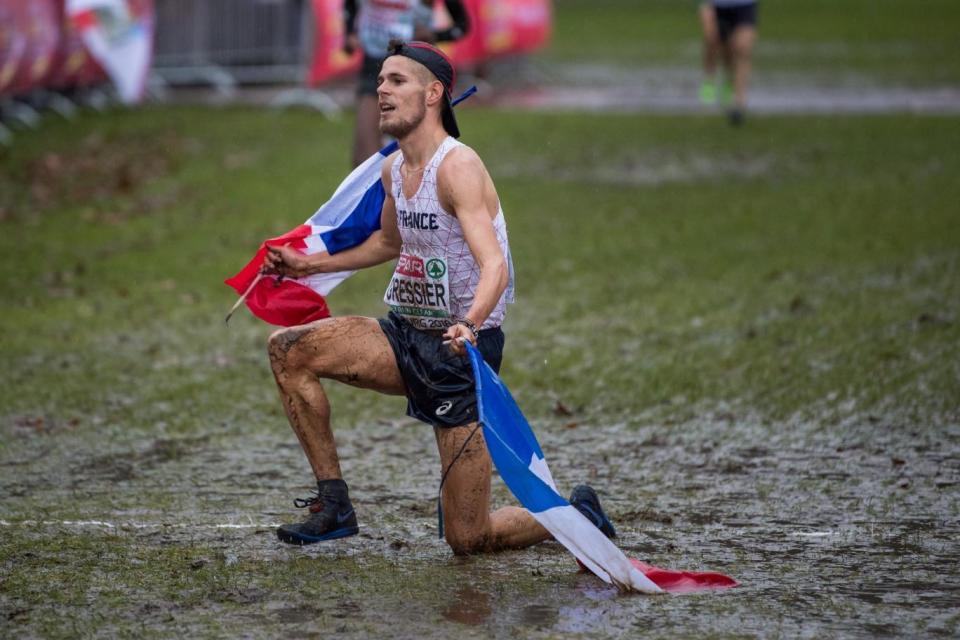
350, 349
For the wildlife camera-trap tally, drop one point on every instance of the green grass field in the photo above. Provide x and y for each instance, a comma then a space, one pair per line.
798, 260
747, 339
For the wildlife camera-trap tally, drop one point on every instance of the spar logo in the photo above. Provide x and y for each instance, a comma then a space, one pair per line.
436, 268
411, 266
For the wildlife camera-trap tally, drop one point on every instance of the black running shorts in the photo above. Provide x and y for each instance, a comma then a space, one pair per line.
367, 78
729, 18
440, 384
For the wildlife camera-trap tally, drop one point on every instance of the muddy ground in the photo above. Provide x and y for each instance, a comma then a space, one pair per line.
849, 532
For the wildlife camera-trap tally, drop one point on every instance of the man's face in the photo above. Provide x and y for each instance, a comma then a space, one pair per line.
401, 93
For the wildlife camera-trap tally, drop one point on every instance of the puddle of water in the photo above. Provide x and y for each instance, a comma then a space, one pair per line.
468, 606
539, 615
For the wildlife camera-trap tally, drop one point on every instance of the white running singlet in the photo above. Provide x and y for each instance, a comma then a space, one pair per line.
436, 275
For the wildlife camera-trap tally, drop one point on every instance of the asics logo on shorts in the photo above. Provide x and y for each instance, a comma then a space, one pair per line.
444, 408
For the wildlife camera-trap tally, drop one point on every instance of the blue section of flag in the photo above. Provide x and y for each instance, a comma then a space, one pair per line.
360, 197
362, 221
390, 147
353, 212
510, 439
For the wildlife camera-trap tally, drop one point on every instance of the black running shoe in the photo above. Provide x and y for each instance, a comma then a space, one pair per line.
331, 517
585, 499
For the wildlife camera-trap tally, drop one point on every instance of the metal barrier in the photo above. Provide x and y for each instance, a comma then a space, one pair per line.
230, 42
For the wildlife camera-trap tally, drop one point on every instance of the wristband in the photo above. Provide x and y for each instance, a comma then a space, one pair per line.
469, 325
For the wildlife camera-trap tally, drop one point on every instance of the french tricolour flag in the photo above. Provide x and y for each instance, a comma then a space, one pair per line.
344, 221
520, 462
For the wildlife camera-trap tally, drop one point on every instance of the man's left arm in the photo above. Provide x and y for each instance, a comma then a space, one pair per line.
466, 192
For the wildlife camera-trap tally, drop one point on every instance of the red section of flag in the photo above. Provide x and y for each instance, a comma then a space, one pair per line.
684, 581
679, 582
286, 303
281, 302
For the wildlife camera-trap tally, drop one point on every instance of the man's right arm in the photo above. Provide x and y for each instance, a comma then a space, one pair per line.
382, 246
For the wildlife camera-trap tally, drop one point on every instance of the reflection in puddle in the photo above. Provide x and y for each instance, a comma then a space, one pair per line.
468, 606
539, 615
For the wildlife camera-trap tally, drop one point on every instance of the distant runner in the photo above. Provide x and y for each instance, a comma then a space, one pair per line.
736, 29
370, 25
443, 224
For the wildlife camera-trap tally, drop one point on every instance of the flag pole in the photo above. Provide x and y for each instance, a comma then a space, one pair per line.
243, 297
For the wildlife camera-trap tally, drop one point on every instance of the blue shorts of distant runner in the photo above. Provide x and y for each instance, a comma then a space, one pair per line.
440, 384
730, 18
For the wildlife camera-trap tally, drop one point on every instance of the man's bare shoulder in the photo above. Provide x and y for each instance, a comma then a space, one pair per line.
461, 164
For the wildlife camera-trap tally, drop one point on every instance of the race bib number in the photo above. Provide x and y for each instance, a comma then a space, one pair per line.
419, 291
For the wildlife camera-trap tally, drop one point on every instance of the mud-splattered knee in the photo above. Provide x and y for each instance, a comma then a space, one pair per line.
279, 345
463, 544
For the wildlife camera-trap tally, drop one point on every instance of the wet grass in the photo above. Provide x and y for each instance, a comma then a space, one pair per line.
878, 40
748, 339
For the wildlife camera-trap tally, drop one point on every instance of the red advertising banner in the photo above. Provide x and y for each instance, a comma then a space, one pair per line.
329, 59
73, 66
13, 44
37, 23
469, 49
497, 28
530, 23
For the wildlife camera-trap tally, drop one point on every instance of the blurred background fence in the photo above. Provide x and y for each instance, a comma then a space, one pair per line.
242, 41
56, 52
229, 41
